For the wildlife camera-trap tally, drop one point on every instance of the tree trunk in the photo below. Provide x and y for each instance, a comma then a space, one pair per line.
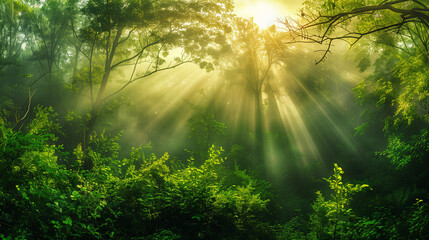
259, 138
96, 106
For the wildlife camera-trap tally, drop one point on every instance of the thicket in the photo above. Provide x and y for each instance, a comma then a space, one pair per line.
47, 194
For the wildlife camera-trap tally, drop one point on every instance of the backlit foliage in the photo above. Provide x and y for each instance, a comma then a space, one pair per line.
133, 197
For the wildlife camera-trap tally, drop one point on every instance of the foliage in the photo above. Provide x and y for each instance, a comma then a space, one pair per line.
404, 90
352, 21
334, 216
140, 196
205, 129
401, 152
383, 223
146, 36
295, 228
400, 96
419, 220
46, 28
10, 41
412, 97
44, 123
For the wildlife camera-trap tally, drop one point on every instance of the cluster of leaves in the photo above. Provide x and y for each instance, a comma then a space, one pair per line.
332, 217
204, 131
384, 223
140, 196
402, 151
398, 84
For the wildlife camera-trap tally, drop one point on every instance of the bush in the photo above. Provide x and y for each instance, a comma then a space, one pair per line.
138, 197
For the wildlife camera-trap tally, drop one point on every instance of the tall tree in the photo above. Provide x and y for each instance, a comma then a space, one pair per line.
10, 41
46, 29
256, 52
150, 36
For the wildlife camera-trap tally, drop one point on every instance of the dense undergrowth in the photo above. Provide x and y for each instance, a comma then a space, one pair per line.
142, 196
46, 193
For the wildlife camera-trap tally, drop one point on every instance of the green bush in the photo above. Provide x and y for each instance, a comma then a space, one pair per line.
138, 197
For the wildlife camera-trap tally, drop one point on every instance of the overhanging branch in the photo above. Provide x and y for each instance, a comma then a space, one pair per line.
300, 32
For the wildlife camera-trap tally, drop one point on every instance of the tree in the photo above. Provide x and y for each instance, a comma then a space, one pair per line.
10, 41
10, 48
46, 27
257, 52
142, 35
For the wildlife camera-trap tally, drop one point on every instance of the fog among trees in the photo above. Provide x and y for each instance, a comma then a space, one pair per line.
182, 119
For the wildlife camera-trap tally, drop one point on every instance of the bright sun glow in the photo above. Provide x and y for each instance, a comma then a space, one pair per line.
264, 14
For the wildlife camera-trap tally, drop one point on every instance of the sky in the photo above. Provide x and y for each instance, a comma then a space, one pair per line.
265, 12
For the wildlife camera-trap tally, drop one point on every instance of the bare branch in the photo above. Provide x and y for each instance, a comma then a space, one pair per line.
30, 96
147, 74
137, 54
299, 31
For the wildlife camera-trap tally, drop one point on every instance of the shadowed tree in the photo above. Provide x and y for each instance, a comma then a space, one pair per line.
256, 51
46, 28
10, 51
33, 31
10, 41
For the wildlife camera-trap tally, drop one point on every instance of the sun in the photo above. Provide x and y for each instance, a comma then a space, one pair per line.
264, 13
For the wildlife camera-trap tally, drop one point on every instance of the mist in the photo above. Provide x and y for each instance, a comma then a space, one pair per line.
192, 120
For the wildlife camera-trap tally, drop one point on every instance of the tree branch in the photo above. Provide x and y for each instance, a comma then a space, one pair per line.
329, 22
147, 74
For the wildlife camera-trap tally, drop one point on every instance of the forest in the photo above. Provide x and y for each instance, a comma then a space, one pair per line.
194, 119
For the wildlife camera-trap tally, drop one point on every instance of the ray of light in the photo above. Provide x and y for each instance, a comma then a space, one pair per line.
164, 105
339, 129
292, 119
